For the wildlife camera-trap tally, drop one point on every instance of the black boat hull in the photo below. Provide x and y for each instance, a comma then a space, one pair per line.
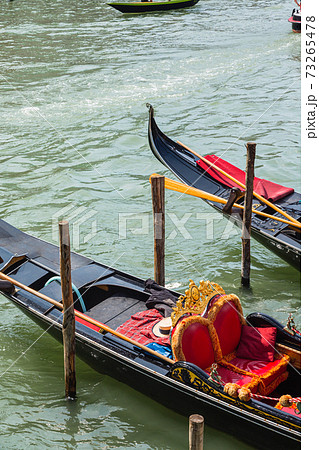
147, 7
276, 236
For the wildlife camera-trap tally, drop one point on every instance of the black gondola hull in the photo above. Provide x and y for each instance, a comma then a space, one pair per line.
274, 235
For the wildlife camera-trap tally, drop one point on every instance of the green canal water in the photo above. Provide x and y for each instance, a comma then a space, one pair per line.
75, 77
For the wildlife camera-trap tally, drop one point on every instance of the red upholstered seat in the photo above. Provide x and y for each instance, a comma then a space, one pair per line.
228, 326
270, 375
217, 336
197, 346
267, 375
191, 341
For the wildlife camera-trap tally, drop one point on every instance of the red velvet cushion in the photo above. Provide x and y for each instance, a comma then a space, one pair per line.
197, 345
228, 328
257, 343
267, 370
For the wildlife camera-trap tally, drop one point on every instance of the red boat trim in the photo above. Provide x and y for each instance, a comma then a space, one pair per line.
291, 20
88, 324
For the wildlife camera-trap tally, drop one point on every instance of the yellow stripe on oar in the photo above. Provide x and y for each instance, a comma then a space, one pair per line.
84, 317
184, 189
260, 198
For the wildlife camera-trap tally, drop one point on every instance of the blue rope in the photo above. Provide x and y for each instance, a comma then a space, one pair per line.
74, 288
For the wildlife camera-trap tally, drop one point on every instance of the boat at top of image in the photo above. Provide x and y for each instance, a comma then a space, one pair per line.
151, 6
268, 226
295, 18
192, 353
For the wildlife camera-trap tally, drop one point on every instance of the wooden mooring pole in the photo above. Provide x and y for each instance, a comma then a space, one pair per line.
158, 199
246, 230
196, 432
68, 327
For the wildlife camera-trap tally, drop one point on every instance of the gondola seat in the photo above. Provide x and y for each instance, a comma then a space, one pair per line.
244, 355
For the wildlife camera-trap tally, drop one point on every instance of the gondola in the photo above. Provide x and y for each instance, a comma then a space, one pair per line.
151, 6
107, 299
280, 237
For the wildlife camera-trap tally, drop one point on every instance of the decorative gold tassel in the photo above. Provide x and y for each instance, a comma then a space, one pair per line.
285, 400
244, 394
231, 389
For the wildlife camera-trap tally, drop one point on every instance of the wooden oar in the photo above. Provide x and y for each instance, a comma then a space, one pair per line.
84, 317
260, 198
183, 188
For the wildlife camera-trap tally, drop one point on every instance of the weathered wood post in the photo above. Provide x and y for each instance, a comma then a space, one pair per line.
158, 199
246, 230
196, 432
68, 327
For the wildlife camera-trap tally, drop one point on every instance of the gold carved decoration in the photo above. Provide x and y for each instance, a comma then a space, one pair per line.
195, 299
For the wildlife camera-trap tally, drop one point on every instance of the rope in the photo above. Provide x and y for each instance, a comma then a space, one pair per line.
292, 400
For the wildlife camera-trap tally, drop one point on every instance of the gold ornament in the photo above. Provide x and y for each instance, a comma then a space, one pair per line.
231, 389
244, 394
195, 299
285, 400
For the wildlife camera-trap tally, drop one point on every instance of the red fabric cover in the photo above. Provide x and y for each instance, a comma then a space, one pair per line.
260, 368
139, 327
88, 324
267, 189
257, 343
228, 376
228, 328
197, 345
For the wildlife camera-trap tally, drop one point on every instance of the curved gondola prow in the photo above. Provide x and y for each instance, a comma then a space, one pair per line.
164, 142
149, 133
152, 131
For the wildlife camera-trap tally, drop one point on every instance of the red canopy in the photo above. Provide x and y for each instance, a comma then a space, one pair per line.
267, 189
